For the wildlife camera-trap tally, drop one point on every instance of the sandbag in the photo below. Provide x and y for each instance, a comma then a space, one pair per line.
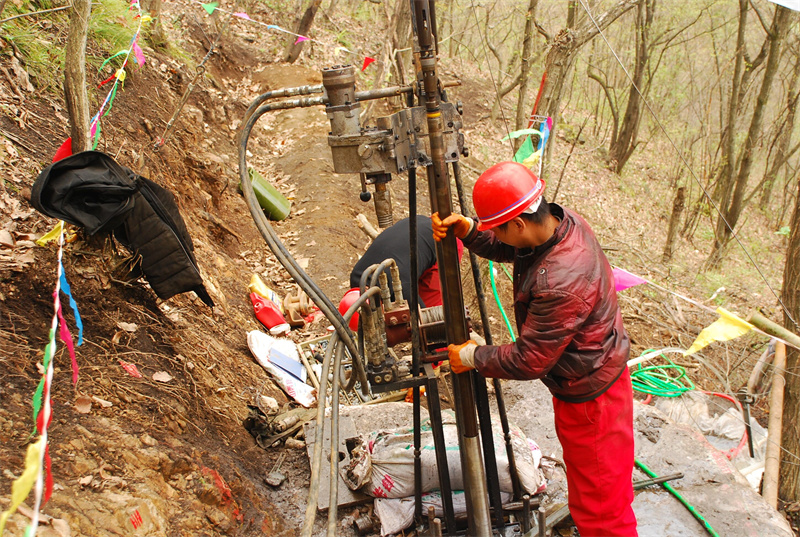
384, 466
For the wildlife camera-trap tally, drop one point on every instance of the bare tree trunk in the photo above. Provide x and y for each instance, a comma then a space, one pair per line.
75, 95
728, 155
727, 221
623, 146
612, 105
293, 49
524, 70
155, 34
782, 153
2, 6
790, 473
561, 56
674, 221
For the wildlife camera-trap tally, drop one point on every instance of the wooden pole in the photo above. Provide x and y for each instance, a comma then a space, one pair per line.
75, 94
774, 329
773, 458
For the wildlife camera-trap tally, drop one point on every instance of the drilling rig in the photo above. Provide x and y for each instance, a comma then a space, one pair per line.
424, 135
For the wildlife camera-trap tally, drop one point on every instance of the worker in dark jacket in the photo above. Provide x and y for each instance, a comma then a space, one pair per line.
394, 243
570, 336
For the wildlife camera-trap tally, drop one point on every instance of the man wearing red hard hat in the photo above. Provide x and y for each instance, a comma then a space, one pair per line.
570, 336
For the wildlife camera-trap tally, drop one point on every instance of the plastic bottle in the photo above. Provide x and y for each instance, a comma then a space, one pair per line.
267, 312
275, 205
258, 287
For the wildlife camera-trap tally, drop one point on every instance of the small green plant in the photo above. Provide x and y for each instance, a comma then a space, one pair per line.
785, 230
111, 28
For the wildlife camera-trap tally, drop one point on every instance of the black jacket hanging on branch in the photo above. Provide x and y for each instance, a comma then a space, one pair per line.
91, 190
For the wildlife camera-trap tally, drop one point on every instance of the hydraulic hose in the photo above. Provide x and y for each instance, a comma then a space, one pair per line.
680, 498
285, 92
316, 461
279, 250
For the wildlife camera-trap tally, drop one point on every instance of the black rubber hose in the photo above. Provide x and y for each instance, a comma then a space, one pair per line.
316, 460
285, 92
282, 254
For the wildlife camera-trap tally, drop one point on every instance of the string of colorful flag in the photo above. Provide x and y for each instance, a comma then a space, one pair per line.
526, 154
38, 474
118, 79
727, 327
211, 7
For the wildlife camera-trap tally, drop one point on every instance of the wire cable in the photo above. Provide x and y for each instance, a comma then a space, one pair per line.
494, 83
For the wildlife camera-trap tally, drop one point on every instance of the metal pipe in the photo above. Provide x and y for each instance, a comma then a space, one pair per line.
394, 91
489, 455
450, 277
526, 513
637, 485
487, 335
440, 451
413, 308
541, 520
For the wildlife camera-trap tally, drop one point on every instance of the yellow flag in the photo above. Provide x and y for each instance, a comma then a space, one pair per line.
728, 326
22, 485
51, 235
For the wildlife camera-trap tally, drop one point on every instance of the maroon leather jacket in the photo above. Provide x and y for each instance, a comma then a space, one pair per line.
569, 323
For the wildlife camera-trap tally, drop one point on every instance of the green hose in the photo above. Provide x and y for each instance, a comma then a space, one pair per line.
497, 298
680, 498
656, 379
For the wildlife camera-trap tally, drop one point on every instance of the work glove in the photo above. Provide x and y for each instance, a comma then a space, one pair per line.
462, 357
461, 226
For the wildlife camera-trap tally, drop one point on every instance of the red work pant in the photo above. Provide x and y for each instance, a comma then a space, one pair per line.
597, 439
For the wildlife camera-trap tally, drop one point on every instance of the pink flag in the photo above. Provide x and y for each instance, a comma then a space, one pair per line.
138, 54
624, 279
300, 39
367, 61
242, 15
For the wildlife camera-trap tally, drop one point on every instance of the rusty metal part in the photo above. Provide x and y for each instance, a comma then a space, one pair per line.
296, 307
526, 513
364, 525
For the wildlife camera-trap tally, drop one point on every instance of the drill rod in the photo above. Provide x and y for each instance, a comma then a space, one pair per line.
447, 257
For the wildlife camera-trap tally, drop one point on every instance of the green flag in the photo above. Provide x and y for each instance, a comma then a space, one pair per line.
524, 151
210, 7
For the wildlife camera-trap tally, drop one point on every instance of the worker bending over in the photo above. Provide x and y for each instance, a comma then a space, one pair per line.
570, 336
395, 243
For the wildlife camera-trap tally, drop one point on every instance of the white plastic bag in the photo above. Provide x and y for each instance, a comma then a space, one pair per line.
260, 345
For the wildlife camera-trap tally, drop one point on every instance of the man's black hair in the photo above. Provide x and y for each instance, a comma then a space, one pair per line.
536, 218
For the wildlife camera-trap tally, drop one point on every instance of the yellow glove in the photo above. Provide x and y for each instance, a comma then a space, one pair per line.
462, 357
461, 226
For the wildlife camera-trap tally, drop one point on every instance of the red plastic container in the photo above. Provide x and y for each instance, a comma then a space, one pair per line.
266, 311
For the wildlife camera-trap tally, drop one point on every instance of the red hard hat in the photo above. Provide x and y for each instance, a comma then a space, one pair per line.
347, 300
503, 192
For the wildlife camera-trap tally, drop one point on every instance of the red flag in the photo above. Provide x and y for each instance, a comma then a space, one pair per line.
367, 61
64, 151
